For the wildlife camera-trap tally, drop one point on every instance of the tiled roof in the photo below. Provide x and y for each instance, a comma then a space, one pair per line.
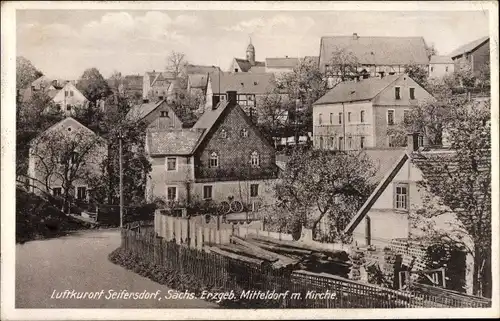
383, 159
365, 89
140, 111
248, 83
199, 69
245, 65
198, 80
377, 50
468, 47
281, 62
441, 60
173, 141
257, 69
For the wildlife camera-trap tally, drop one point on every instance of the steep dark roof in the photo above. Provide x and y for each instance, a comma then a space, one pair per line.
365, 89
173, 141
471, 46
245, 65
282, 62
248, 83
377, 50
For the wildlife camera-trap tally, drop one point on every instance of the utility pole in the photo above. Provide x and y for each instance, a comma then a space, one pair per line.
121, 178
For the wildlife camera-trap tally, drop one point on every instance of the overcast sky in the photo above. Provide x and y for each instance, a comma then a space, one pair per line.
63, 43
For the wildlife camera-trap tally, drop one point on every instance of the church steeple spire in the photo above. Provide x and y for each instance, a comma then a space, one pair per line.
251, 52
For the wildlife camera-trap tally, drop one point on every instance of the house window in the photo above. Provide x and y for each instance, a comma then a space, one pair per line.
406, 116
188, 160
401, 196
172, 193
207, 192
222, 97
341, 143
81, 192
321, 142
171, 164
420, 140
390, 117
446, 69
412, 93
254, 159
392, 141
340, 118
214, 160
164, 114
254, 190
66, 93
397, 93
362, 142
362, 116
320, 120
349, 142
68, 107
331, 118
235, 69
349, 117
432, 69
332, 142
57, 191
244, 132
223, 133
71, 93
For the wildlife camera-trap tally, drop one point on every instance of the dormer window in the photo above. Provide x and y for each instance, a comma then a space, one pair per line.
223, 133
214, 160
254, 159
244, 132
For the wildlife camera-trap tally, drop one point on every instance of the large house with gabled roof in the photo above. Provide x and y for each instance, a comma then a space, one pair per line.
223, 156
157, 115
155, 84
358, 114
375, 55
475, 54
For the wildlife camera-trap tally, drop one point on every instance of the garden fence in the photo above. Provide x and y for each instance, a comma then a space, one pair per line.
226, 274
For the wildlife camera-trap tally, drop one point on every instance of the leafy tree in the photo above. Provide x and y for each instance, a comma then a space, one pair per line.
417, 73
116, 81
186, 107
319, 184
67, 158
304, 86
343, 65
26, 72
430, 50
463, 185
273, 115
136, 165
93, 85
32, 118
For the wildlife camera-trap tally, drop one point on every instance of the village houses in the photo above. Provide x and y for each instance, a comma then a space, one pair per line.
357, 114
66, 152
440, 66
156, 115
64, 94
475, 55
223, 157
155, 84
251, 88
375, 56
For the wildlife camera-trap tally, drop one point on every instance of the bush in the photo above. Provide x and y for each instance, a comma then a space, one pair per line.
37, 218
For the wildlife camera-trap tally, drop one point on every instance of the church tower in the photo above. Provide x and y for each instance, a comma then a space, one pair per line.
251, 53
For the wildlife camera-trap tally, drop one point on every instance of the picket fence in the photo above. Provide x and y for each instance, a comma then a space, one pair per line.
226, 274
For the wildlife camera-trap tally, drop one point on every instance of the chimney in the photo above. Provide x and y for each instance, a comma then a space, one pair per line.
215, 101
231, 97
355, 36
412, 142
